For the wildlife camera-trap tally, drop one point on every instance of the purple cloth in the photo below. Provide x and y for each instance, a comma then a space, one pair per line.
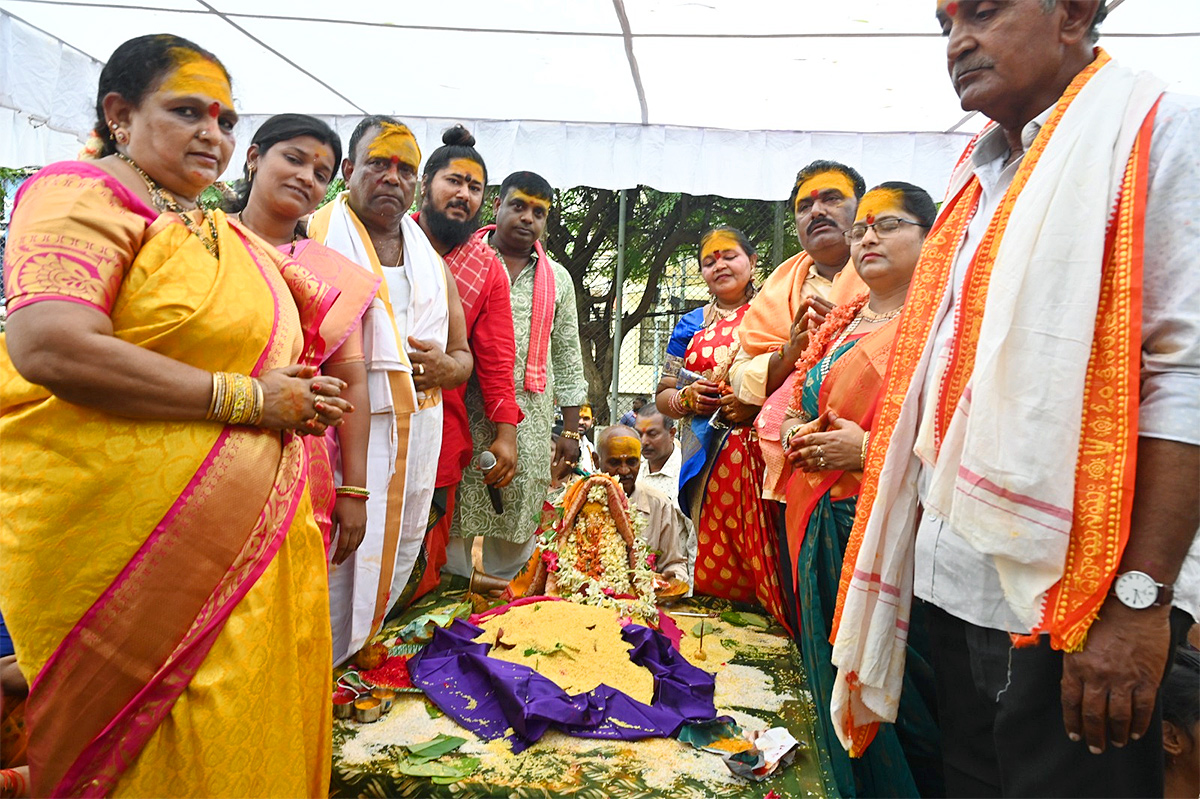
489, 696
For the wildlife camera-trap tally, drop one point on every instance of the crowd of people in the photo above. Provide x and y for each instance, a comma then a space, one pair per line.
954, 453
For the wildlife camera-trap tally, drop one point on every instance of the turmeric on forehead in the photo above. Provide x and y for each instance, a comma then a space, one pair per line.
717, 241
195, 74
529, 199
395, 142
880, 201
465, 166
829, 179
623, 447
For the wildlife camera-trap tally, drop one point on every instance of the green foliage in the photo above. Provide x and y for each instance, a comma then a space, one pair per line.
662, 234
13, 175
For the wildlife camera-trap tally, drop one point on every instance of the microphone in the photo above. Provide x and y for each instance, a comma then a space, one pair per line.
487, 461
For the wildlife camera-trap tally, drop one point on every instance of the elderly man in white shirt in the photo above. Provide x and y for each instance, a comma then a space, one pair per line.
1035, 476
662, 458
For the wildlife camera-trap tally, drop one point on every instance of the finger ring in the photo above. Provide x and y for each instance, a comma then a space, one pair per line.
821, 462
419, 369
821, 452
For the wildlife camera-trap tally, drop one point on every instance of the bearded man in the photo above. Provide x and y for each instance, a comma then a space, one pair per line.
452, 186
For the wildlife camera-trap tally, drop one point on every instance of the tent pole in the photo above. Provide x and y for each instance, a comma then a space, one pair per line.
613, 397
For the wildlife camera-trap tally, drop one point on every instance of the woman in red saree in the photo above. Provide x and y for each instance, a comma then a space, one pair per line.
840, 378
290, 162
164, 577
721, 477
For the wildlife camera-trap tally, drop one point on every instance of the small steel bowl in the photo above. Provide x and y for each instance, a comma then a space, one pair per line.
368, 709
343, 705
386, 697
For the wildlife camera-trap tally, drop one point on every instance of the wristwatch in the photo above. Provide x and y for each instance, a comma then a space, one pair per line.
1138, 590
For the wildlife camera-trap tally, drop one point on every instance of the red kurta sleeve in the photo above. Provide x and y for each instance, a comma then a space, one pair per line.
495, 349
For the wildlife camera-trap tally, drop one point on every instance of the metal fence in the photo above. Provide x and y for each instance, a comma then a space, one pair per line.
634, 257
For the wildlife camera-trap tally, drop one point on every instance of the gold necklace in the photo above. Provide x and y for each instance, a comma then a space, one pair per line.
165, 201
870, 316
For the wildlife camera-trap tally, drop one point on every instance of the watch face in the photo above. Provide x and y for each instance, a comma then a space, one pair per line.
1136, 590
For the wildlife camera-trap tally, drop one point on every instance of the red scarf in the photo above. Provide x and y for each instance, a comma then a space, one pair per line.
543, 317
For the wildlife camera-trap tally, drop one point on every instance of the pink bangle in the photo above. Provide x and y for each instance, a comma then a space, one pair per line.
676, 403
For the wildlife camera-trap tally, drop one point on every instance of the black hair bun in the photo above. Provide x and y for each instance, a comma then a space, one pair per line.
458, 135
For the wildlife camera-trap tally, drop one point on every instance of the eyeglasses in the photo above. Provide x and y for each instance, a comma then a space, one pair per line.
883, 227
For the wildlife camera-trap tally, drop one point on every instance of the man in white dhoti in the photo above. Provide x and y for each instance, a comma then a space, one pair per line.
414, 340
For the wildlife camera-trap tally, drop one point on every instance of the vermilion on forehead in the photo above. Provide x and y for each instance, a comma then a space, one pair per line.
822, 181
467, 167
717, 241
878, 202
624, 447
396, 144
948, 8
529, 199
196, 75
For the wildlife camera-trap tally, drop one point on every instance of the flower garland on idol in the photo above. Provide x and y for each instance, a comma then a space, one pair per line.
596, 553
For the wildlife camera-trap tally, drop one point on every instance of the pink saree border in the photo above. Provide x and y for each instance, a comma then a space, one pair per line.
100, 763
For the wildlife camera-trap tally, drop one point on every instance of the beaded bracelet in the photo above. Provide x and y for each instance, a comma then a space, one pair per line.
571, 434
236, 399
866, 438
353, 492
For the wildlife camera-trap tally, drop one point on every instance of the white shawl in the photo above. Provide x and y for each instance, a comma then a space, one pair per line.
354, 585
1004, 477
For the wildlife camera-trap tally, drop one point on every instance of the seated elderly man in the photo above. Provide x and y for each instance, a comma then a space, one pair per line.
620, 451
663, 458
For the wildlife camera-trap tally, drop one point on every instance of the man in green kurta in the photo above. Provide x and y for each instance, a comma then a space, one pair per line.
548, 372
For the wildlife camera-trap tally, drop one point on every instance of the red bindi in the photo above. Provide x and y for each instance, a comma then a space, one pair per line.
870, 219
214, 110
951, 9
814, 194
395, 159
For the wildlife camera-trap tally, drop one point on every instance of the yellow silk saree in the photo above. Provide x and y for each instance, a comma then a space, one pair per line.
164, 581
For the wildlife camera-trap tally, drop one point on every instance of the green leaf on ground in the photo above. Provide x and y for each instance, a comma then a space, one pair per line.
738, 619
431, 750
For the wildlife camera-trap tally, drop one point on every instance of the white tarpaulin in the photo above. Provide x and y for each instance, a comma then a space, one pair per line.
727, 97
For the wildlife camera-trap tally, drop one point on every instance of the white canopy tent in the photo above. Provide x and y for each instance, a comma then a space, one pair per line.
725, 97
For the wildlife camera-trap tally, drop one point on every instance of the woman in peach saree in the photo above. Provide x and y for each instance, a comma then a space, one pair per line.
164, 577
826, 432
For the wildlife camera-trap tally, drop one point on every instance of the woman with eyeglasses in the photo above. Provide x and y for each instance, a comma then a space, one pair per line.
825, 438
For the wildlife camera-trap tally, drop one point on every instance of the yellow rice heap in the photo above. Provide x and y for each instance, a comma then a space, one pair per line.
592, 651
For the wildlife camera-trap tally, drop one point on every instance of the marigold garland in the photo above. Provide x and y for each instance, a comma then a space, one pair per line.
835, 322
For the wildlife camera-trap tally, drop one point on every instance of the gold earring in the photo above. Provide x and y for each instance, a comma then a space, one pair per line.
121, 136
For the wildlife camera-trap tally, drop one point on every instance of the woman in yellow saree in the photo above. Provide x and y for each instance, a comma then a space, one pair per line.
164, 580
840, 379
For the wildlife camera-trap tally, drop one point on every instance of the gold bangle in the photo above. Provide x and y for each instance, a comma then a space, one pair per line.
218, 386
354, 492
236, 399
787, 437
866, 439
571, 434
